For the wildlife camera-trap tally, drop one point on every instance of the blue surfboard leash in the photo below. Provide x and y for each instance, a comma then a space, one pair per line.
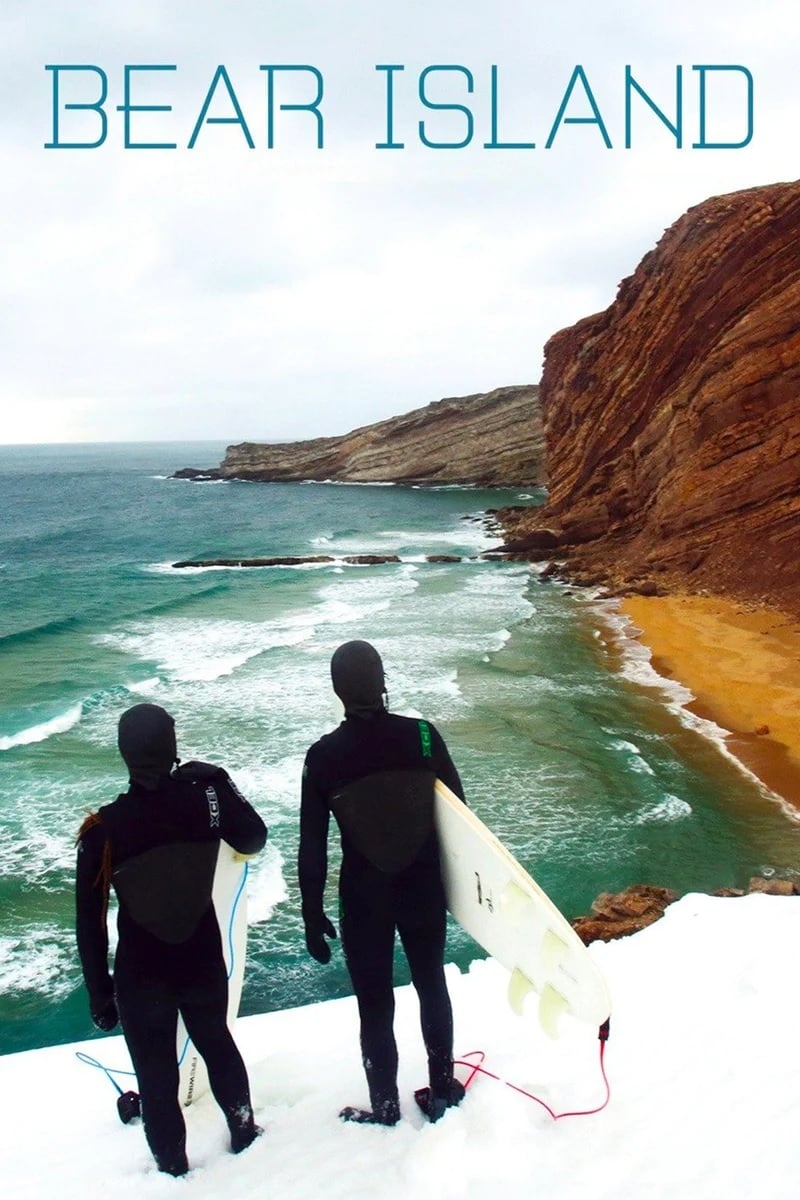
128, 1104
231, 951
128, 1101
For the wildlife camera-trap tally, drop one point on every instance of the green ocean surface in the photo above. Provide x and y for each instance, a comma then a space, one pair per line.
570, 748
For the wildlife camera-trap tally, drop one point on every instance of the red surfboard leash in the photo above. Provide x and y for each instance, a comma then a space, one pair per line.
475, 1059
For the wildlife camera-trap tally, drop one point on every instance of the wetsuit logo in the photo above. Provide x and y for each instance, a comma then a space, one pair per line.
213, 807
425, 738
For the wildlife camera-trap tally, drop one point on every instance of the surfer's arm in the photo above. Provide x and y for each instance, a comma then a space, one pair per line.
242, 827
445, 767
91, 907
239, 823
312, 858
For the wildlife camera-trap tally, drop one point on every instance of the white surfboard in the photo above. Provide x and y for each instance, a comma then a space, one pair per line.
498, 903
230, 902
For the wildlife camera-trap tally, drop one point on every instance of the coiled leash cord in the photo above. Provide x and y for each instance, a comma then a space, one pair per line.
477, 1068
128, 1104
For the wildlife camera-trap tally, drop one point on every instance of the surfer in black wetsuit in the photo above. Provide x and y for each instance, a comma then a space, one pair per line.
376, 773
157, 845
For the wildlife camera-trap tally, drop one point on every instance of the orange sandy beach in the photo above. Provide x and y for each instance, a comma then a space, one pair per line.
742, 665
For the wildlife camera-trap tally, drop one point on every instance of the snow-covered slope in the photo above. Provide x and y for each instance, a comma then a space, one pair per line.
703, 1063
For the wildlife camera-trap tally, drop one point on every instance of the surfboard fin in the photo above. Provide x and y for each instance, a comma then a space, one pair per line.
513, 901
552, 1005
518, 988
553, 951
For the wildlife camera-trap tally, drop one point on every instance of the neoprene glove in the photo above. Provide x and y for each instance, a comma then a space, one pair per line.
104, 1013
316, 932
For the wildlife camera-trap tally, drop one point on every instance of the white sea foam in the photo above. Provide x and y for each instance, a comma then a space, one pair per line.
273, 787
38, 856
266, 885
335, 563
506, 586
145, 687
42, 814
671, 808
187, 649
463, 532
464, 537
420, 675
437, 686
621, 744
167, 568
283, 702
351, 483
634, 757
46, 729
38, 960
467, 539
254, 720
357, 599
474, 617
442, 487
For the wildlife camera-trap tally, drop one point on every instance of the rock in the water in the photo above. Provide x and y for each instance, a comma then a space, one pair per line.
285, 560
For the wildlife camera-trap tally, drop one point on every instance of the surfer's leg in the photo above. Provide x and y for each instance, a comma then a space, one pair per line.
149, 1017
204, 1008
368, 943
423, 937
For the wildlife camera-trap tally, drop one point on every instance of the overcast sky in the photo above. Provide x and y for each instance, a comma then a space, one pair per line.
237, 293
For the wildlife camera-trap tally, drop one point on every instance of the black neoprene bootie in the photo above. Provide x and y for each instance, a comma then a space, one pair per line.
171, 1159
385, 1113
176, 1164
243, 1131
435, 1106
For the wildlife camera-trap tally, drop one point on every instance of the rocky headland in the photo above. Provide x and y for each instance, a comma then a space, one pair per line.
672, 419
667, 430
491, 439
619, 914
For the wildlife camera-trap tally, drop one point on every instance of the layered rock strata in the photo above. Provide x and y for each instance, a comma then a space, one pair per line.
490, 439
672, 419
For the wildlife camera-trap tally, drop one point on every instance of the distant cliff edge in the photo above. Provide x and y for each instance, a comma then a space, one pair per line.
493, 439
672, 419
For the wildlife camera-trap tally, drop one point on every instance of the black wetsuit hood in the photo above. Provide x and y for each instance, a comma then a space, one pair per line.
358, 679
146, 740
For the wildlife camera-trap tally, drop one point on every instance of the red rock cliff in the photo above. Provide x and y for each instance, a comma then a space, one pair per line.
672, 419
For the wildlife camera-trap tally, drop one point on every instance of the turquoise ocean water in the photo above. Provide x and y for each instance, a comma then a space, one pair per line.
577, 756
